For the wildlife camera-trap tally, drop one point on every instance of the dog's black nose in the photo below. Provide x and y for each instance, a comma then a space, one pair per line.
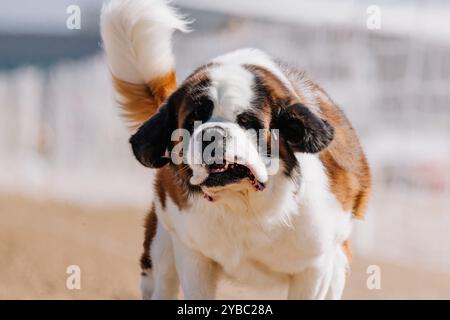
213, 146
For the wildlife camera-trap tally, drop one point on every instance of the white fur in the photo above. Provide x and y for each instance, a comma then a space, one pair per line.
164, 274
137, 38
146, 284
292, 232
289, 233
258, 58
231, 90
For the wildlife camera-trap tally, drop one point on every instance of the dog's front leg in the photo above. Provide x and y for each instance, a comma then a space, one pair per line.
197, 273
311, 284
314, 282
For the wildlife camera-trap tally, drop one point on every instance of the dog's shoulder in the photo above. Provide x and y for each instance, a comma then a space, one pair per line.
167, 184
344, 160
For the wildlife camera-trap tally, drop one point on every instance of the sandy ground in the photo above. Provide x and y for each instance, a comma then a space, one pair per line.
40, 239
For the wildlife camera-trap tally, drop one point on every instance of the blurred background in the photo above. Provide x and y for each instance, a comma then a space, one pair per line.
71, 192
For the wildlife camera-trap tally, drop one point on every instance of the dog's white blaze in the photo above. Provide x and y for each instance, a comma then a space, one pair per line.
255, 57
231, 90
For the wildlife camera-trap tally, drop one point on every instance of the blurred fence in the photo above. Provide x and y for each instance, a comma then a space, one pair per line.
61, 137
60, 134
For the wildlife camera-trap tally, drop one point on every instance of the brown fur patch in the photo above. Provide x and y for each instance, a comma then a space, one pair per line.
171, 180
140, 101
274, 93
192, 90
150, 232
167, 184
344, 160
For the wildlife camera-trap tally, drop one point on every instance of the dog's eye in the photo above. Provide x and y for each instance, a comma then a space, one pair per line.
201, 111
248, 120
242, 122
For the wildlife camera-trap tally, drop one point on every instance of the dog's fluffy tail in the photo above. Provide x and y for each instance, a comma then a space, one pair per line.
137, 39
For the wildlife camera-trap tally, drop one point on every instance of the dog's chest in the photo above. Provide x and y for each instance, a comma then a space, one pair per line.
259, 247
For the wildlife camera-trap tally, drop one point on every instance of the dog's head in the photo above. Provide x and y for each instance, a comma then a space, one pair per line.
236, 121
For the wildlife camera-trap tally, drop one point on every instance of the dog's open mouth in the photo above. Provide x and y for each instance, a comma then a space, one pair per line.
221, 174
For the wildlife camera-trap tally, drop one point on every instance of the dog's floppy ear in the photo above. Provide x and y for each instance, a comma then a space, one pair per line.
303, 130
152, 139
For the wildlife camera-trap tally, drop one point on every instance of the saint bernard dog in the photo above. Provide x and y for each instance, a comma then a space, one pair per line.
235, 218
